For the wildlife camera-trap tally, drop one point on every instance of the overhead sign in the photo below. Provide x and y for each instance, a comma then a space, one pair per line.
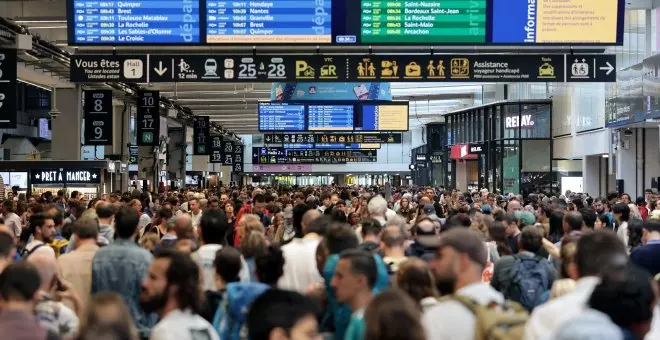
133, 22
98, 117
477, 149
8, 110
302, 91
281, 117
595, 68
462, 151
360, 138
133, 152
340, 68
148, 118
201, 135
302, 156
216, 150
108, 68
238, 153
65, 176
227, 152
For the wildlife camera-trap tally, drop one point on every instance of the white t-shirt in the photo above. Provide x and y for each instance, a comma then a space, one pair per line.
43, 249
14, 222
451, 320
196, 218
144, 221
183, 325
300, 269
205, 256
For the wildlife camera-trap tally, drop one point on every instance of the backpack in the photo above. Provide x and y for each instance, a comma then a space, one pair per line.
229, 319
496, 321
25, 253
528, 282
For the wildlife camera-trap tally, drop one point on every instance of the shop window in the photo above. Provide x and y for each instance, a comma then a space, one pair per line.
536, 156
511, 167
535, 121
513, 121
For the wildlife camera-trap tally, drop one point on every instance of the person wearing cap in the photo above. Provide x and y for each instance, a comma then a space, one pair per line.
486, 209
460, 260
424, 229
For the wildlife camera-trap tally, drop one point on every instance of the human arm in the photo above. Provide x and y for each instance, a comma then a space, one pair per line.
551, 248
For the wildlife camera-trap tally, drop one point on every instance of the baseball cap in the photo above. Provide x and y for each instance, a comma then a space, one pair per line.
429, 209
486, 209
525, 217
463, 240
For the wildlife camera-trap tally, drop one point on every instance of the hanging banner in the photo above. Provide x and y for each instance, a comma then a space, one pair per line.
148, 118
8, 112
98, 117
201, 136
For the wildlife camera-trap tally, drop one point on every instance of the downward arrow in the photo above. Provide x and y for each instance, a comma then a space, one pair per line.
160, 70
609, 68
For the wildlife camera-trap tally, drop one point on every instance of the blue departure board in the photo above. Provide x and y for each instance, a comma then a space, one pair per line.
135, 22
269, 22
330, 117
281, 117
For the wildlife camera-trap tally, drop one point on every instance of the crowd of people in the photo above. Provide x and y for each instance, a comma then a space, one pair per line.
353, 263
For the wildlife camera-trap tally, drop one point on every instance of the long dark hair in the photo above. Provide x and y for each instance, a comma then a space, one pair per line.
634, 233
497, 233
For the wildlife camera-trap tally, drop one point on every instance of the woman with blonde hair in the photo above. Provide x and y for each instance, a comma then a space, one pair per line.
248, 224
252, 235
108, 309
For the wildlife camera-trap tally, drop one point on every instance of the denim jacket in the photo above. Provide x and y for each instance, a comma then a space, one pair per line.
120, 268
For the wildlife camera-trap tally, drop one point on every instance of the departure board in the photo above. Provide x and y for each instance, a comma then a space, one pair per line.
281, 117
139, 22
269, 21
384, 118
423, 21
330, 117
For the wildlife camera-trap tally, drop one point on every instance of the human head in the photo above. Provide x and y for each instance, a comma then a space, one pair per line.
42, 227
126, 222
107, 308
621, 212
308, 219
193, 205
572, 222
510, 221
183, 225
295, 318
270, 265
416, 278
625, 198
651, 230
86, 229
370, 228
525, 218
136, 204
299, 212
20, 283
227, 265
259, 203
386, 314
341, 237
105, 211
513, 206
356, 273
598, 253
173, 280
392, 237
588, 218
47, 268
7, 248
460, 259
213, 227
377, 206
627, 299
531, 239
229, 207
635, 233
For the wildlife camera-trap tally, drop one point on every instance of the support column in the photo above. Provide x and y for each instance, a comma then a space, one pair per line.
67, 126
121, 117
590, 175
461, 176
626, 162
176, 156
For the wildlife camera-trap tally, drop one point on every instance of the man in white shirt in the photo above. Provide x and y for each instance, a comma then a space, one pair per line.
11, 219
195, 212
212, 232
300, 268
460, 260
171, 290
42, 227
597, 253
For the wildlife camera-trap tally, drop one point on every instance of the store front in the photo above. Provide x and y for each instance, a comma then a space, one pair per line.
86, 177
504, 147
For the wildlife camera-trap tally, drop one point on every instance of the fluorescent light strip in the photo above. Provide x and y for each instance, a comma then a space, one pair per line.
35, 85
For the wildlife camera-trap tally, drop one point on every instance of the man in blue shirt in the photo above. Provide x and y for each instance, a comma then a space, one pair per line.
121, 266
647, 255
353, 281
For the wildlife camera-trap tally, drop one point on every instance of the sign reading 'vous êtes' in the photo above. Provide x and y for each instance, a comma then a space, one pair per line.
82, 176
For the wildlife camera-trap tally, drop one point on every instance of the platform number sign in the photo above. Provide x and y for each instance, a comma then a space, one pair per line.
238, 158
216, 150
98, 117
148, 118
201, 136
227, 152
8, 89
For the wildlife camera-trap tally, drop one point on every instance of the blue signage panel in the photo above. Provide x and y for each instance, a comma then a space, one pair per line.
269, 22
330, 117
281, 117
330, 91
136, 22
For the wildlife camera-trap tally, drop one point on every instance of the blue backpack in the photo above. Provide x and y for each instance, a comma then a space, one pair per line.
229, 318
529, 282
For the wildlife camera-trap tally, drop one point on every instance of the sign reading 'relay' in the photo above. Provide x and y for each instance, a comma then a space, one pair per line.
524, 121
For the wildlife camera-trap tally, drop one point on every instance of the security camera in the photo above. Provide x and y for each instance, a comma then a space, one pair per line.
54, 113
628, 132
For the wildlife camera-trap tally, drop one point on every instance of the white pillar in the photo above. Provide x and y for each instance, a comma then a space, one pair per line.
67, 126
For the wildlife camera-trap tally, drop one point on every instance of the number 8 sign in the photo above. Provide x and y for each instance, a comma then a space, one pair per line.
97, 111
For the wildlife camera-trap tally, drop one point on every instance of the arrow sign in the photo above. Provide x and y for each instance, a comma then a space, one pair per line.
160, 70
609, 68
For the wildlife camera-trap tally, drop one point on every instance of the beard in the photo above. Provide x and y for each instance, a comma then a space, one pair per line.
154, 303
445, 285
600, 211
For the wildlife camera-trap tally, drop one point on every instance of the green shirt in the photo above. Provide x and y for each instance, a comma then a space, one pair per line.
356, 327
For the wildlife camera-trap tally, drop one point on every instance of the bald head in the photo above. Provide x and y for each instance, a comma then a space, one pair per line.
47, 268
182, 222
308, 217
513, 206
424, 200
393, 237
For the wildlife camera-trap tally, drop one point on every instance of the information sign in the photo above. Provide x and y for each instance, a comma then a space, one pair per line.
97, 111
201, 135
8, 71
148, 118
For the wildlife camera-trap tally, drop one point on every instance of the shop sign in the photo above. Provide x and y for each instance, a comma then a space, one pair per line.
420, 158
477, 149
64, 176
524, 121
462, 151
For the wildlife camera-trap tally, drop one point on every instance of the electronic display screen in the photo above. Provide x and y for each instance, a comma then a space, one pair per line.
281, 117
269, 22
330, 117
134, 22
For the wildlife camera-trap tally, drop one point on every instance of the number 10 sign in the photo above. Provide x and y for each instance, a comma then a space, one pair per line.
97, 111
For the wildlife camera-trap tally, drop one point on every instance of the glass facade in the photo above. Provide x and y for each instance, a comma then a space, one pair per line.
507, 147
